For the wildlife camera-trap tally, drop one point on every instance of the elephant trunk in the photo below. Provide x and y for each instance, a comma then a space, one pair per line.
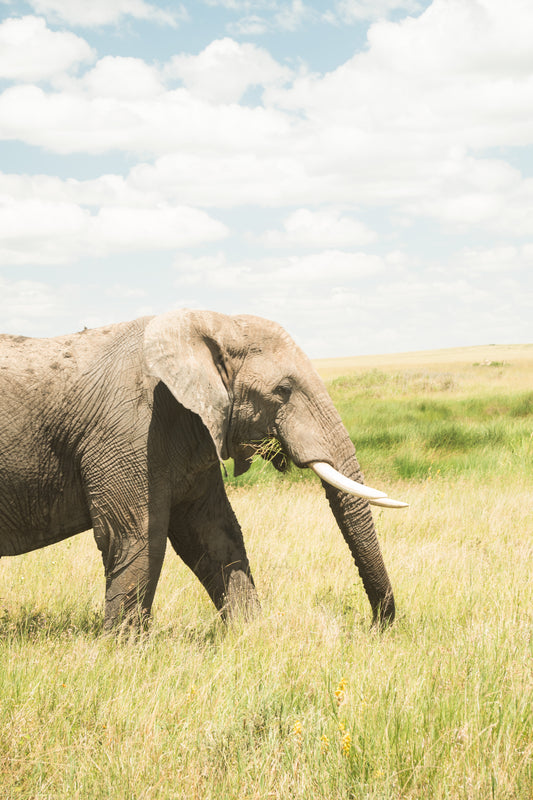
314, 436
354, 519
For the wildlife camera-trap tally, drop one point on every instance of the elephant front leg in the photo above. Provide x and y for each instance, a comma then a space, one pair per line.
132, 569
208, 537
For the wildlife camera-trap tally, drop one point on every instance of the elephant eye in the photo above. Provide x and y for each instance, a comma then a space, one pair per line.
283, 391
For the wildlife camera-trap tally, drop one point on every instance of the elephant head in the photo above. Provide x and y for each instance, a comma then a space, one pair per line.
247, 380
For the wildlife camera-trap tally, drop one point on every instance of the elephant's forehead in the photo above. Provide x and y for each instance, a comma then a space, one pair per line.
271, 351
263, 331
273, 357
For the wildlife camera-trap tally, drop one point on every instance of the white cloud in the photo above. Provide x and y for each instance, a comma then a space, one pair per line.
319, 229
290, 273
405, 126
422, 86
327, 289
123, 78
340, 303
290, 17
95, 13
247, 6
226, 180
264, 16
397, 124
120, 229
234, 5
25, 305
32, 231
107, 190
37, 308
124, 290
251, 25
354, 10
37, 231
479, 38
478, 193
502, 260
225, 69
29, 51
73, 121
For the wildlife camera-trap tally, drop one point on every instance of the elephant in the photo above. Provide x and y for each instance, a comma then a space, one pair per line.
123, 429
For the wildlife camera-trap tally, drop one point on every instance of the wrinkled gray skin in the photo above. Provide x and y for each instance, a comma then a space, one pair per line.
121, 429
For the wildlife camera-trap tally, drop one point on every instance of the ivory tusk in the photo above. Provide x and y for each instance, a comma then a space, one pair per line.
388, 502
340, 481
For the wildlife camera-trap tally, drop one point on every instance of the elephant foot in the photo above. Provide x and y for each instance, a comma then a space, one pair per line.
127, 624
240, 598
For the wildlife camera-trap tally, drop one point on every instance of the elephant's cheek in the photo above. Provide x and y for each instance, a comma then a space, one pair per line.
248, 425
303, 443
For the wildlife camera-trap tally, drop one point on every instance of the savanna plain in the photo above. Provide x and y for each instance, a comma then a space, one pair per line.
306, 701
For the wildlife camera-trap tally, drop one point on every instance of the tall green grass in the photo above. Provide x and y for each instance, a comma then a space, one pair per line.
413, 426
401, 430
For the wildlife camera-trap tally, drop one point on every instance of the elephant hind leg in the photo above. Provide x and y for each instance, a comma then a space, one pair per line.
208, 538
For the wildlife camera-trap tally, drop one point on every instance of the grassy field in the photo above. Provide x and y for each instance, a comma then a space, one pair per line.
306, 702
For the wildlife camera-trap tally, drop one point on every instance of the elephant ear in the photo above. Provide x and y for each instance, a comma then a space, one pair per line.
186, 350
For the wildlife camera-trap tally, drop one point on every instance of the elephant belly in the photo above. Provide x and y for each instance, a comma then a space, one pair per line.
31, 522
16, 542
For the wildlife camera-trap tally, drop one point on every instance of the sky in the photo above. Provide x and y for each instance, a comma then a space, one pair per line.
360, 171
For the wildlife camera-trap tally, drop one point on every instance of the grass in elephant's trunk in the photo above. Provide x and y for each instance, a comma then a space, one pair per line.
270, 451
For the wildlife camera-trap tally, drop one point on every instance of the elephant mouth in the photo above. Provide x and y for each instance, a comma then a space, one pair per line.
268, 449
271, 450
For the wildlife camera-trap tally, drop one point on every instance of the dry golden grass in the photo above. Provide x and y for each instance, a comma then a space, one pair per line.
506, 367
304, 702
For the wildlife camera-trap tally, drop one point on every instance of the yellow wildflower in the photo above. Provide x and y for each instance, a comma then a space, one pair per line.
340, 692
346, 744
